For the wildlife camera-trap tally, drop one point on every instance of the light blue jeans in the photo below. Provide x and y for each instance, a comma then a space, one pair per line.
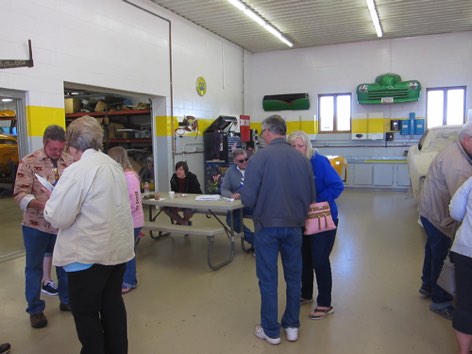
269, 241
129, 278
37, 243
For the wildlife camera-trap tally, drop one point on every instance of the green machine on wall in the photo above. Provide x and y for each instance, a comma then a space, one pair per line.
286, 102
388, 88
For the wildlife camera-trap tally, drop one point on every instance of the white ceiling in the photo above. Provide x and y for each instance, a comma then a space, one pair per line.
311, 23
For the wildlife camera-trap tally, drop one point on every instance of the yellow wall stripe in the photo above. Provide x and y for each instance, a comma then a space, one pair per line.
164, 126
39, 118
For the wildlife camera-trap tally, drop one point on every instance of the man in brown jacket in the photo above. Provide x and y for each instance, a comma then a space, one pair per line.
451, 167
38, 234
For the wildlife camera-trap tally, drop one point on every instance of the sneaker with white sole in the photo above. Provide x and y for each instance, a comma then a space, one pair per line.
292, 334
49, 288
259, 332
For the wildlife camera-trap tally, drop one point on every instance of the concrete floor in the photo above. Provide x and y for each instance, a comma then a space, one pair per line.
181, 306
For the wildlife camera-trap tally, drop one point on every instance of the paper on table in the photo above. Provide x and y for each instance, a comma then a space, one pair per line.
44, 182
208, 197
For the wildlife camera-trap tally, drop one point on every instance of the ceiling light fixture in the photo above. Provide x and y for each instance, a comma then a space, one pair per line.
259, 20
7, 99
375, 17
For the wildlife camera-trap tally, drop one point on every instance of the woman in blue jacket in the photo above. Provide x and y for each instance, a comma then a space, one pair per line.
316, 248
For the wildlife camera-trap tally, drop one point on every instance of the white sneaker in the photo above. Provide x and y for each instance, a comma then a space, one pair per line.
292, 334
259, 332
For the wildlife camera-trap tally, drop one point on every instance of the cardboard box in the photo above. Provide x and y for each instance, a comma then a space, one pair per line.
72, 105
100, 106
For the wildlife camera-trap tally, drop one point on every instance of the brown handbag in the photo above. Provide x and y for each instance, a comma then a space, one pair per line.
319, 219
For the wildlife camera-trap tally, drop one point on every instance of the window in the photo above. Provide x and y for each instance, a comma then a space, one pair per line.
334, 113
445, 106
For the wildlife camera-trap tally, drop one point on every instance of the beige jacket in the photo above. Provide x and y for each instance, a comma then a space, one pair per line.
451, 167
90, 207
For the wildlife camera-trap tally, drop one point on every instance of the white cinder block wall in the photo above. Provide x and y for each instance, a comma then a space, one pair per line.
124, 46
435, 61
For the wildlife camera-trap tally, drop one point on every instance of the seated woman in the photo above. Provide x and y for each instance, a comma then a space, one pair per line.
183, 181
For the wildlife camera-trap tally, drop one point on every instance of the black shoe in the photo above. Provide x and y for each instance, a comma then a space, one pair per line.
5, 348
425, 290
38, 320
49, 288
64, 307
447, 312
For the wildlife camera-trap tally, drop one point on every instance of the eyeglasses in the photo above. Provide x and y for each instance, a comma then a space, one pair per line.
242, 160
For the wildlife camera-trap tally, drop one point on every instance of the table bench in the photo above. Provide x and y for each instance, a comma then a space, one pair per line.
209, 231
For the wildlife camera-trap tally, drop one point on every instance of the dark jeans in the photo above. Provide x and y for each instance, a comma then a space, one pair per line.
315, 256
98, 309
248, 234
462, 320
435, 252
37, 243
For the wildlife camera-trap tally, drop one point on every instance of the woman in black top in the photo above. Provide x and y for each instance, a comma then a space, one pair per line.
183, 181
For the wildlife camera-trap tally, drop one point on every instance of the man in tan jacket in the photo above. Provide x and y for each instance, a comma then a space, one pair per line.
38, 235
451, 167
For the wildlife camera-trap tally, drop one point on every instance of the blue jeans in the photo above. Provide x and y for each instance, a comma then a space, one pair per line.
37, 243
129, 278
248, 234
315, 256
435, 252
269, 241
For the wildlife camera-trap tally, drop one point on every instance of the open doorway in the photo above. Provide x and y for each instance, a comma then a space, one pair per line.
12, 149
126, 119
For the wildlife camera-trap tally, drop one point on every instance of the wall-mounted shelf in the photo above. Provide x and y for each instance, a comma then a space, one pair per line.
127, 112
130, 128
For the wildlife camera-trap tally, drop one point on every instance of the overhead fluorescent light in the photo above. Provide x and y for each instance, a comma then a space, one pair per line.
7, 99
259, 20
375, 17
255, 17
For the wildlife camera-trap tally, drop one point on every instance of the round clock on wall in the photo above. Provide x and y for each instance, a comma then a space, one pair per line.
201, 86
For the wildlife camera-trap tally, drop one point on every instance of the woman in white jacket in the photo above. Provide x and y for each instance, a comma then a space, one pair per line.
90, 207
460, 209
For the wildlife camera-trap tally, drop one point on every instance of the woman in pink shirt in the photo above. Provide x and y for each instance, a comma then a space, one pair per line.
119, 154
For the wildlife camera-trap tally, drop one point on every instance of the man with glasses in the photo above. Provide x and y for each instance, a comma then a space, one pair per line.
279, 186
38, 235
233, 182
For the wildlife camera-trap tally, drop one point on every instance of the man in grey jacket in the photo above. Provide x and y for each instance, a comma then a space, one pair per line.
450, 168
279, 186
233, 182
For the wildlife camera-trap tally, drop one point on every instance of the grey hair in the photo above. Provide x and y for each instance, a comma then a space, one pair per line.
275, 124
84, 133
465, 132
55, 133
299, 134
238, 151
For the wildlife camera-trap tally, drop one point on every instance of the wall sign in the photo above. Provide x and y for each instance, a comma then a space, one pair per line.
18, 63
201, 86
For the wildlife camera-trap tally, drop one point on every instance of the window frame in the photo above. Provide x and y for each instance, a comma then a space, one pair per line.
445, 90
335, 121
